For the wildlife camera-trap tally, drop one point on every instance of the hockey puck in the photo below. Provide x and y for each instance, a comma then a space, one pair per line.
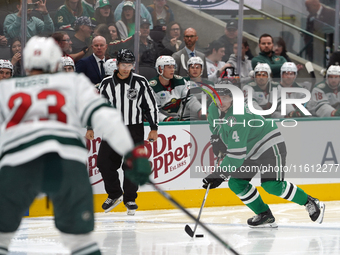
200, 235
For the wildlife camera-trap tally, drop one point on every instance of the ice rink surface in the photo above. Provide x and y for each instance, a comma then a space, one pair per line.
162, 232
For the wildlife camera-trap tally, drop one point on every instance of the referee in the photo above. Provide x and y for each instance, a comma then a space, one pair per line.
132, 95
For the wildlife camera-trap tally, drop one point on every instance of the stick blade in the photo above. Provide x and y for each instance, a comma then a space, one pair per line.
189, 230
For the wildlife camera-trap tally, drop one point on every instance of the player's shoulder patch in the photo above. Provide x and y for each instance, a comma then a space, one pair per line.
275, 84
321, 85
153, 83
252, 84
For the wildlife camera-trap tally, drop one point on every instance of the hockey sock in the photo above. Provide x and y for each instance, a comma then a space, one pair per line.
286, 190
248, 194
5, 239
80, 244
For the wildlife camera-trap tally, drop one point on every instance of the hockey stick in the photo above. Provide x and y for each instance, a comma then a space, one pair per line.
168, 197
187, 227
310, 70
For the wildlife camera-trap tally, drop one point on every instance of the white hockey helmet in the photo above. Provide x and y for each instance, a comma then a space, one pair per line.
333, 70
164, 61
67, 61
195, 61
110, 65
288, 67
263, 67
43, 54
4, 63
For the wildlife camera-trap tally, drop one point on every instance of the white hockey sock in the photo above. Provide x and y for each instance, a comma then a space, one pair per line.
79, 244
5, 239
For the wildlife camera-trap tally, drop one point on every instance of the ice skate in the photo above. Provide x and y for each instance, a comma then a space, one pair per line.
262, 220
316, 209
131, 208
110, 203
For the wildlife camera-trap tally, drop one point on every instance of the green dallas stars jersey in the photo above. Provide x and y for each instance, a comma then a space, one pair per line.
246, 136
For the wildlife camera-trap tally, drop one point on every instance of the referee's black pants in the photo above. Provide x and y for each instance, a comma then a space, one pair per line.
109, 162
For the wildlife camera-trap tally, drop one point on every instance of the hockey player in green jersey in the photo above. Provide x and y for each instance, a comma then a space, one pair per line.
171, 92
247, 150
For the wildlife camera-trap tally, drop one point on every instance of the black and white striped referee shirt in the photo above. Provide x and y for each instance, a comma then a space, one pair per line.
133, 96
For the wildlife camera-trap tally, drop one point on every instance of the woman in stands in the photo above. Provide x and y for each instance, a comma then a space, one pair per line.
114, 34
126, 26
16, 56
68, 13
103, 14
173, 38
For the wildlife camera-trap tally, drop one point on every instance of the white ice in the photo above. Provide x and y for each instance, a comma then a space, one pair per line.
162, 232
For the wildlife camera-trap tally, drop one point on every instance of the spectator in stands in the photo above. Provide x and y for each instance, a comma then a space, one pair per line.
215, 66
3, 40
6, 69
161, 14
267, 55
65, 44
81, 39
89, 6
190, 39
35, 26
68, 13
245, 62
173, 39
320, 20
103, 13
114, 34
126, 26
93, 66
229, 38
102, 30
144, 13
67, 64
148, 52
16, 52
280, 50
325, 100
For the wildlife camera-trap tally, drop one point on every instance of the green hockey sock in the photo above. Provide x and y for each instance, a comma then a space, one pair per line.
286, 190
248, 194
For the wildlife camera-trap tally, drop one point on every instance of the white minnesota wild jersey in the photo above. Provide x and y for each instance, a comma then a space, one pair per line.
324, 100
45, 113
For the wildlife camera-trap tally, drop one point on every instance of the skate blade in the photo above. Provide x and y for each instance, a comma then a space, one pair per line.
131, 212
119, 200
267, 225
322, 213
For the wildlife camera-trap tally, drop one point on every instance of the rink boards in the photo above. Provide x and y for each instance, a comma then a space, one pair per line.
182, 154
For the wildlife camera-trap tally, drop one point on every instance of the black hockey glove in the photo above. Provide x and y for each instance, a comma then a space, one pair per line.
214, 179
218, 146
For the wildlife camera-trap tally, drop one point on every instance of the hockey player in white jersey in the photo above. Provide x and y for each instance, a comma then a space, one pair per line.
172, 93
6, 69
289, 73
67, 64
262, 94
325, 99
43, 150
